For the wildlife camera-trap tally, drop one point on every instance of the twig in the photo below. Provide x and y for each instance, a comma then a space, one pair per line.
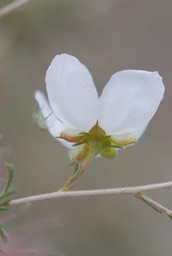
97, 192
153, 204
12, 6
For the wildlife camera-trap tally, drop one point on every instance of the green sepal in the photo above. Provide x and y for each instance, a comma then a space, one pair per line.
96, 142
123, 140
108, 152
76, 167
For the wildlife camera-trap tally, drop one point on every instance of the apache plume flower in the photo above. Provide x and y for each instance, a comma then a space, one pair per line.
78, 118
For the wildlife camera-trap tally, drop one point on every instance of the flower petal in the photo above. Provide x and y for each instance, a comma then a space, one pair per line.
71, 92
129, 101
54, 126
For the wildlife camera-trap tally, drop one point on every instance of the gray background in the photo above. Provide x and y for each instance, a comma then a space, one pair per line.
106, 36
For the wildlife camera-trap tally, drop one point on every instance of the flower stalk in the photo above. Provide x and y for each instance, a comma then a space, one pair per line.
78, 170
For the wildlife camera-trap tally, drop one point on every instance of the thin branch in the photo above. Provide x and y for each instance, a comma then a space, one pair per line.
12, 6
97, 192
154, 205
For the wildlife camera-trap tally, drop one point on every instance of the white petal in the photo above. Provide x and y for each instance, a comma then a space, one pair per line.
54, 126
71, 92
129, 101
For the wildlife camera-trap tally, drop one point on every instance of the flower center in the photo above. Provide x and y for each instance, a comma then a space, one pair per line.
95, 142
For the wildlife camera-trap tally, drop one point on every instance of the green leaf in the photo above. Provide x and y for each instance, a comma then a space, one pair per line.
8, 183
4, 196
4, 208
7, 191
3, 234
10, 178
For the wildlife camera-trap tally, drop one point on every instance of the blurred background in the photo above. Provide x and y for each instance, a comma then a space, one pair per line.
106, 36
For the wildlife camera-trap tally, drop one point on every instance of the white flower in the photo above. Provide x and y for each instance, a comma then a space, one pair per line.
117, 118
